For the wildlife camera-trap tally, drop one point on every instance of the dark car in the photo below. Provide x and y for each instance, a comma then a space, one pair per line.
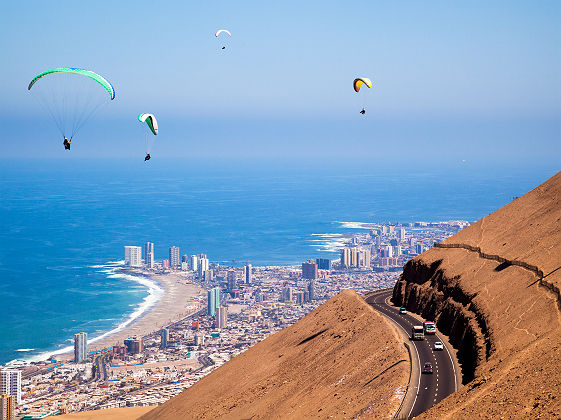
427, 368
402, 310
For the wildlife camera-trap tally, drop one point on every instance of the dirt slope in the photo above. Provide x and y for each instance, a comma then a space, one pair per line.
342, 360
494, 289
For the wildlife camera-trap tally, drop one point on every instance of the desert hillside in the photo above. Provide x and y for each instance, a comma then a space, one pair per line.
342, 360
494, 289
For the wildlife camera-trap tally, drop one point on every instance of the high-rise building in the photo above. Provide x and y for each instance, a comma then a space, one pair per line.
310, 270
194, 262
247, 273
323, 263
363, 258
174, 260
7, 407
135, 345
185, 258
149, 254
287, 294
419, 248
133, 256
203, 266
10, 383
401, 234
300, 297
231, 280
165, 264
221, 317
213, 301
355, 257
149, 260
80, 347
312, 290
164, 337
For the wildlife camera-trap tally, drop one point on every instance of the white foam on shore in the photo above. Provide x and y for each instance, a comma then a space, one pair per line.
24, 350
355, 225
155, 293
328, 242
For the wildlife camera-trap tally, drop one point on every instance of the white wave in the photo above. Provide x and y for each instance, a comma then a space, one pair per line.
155, 292
25, 350
109, 264
328, 242
355, 225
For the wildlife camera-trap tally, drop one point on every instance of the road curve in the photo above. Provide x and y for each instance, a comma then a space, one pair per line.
429, 388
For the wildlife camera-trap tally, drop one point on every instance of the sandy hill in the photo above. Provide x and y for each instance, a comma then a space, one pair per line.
341, 360
494, 289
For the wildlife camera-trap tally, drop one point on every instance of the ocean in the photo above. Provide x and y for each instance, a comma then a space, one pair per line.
63, 225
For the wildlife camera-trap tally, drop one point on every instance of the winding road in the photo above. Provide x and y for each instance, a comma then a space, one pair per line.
425, 390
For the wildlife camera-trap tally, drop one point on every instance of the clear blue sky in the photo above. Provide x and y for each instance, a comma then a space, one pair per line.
452, 80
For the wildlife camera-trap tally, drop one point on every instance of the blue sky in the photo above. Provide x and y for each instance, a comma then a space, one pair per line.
452, 81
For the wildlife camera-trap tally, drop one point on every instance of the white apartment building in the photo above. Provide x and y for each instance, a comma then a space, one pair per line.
133, 256
10, 383
80, 347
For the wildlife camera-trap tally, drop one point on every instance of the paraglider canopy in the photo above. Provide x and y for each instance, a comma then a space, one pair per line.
218, 32
149, 119
71, 96
359, 81
92, 75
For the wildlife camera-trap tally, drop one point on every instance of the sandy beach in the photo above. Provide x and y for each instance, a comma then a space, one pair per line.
176, 303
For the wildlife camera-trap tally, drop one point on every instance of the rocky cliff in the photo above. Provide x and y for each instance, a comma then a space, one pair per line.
494, 290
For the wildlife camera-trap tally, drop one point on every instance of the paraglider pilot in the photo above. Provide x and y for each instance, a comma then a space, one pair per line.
66, 143
147, 157
363, 111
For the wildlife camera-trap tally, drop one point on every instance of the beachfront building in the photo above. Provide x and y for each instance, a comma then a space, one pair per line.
80, 347
213, 300
149, 254
194, 262
164, 335
134, 345
203, 266
221, 317
247, 271
133, 256
7, 407
174, 260
10, 383
323, 263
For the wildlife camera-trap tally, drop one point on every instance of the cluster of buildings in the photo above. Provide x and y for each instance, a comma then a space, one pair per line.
243, 306
389, 246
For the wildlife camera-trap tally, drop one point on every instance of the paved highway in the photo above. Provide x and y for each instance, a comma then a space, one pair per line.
429, 388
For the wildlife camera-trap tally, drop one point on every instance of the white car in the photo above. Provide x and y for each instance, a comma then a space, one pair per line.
438, 346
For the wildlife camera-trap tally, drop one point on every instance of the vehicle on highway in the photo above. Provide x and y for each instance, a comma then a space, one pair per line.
438, 346
427, 368
429, 327
417, 333
402, 310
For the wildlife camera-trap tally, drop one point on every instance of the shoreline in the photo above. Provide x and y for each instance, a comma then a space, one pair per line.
171, 297
177, 301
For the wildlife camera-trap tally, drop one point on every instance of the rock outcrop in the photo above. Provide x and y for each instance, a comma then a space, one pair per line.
493, 288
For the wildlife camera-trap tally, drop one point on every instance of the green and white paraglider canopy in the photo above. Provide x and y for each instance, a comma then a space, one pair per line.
71, 96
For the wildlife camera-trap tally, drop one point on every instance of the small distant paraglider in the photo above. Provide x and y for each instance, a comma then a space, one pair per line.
357, 84
220, 31
152, 123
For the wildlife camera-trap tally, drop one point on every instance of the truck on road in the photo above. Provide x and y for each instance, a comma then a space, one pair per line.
417, 333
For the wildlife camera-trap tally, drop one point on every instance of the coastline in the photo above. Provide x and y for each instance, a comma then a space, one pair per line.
172, 296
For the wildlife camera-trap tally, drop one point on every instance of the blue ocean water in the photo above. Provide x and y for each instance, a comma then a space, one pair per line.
60, 219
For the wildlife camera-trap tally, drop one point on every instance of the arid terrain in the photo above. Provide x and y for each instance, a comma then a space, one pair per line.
494, 289
341, 360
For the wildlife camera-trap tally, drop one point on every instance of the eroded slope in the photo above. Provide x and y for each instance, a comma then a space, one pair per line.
341, 360
494, 289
